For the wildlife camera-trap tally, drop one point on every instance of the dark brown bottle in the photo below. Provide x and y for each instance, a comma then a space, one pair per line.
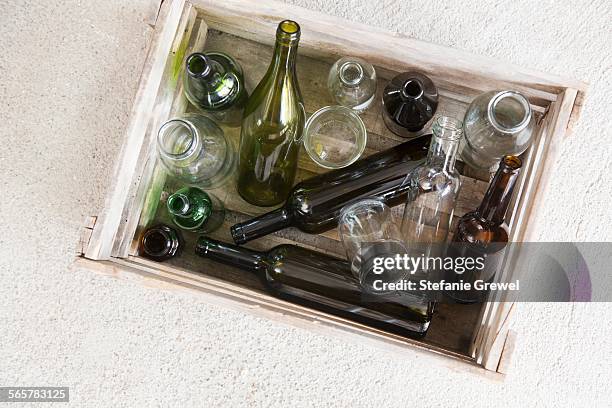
409, 102
314, 204
484, 233
160, 243
322, 282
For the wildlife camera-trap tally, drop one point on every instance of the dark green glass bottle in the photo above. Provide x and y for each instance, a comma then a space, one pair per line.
322, 282
272, 126
192, 209
160, 243
214, 83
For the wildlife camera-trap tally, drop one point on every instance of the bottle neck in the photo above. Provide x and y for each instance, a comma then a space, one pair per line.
178, 140
285, 49
447, 133
497, 198
179, 205
259, 226
201, 67
232, 255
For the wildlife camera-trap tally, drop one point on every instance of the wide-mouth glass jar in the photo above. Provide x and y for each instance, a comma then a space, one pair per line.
335, 137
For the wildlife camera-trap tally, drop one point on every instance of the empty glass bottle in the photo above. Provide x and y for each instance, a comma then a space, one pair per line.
484, 233
195, 150
409, 102
433, 191
272, 126
352, 83
192, 209
496, 124
214, 83
323, 282
160, 243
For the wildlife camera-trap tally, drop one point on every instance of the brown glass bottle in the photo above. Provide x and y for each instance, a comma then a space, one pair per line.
160, 243
314, 204
484, 233
322, 282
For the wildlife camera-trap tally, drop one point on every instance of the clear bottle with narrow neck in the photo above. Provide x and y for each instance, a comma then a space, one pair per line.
272, 126
214, 83
484, 233
322, 282
434, 188
193, 209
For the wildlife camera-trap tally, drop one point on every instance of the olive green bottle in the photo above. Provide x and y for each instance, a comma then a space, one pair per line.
272, 126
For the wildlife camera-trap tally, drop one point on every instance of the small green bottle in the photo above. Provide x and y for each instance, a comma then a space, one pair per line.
272, 126
214, 83
192, 209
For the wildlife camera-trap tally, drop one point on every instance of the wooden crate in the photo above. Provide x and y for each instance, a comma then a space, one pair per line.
472, 336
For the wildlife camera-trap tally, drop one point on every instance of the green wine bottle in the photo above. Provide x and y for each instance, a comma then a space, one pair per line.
192, 209
272, 126
214, 83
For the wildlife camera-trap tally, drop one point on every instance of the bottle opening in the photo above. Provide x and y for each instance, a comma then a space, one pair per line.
447, 128
198, 65
509, 112
156, 243
178, 204
351, 73
513, 162
176, 138
289, 27
412, 89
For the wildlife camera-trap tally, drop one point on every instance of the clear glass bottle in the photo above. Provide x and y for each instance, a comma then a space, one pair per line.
272, 126
160, 243
409, 102
496, 124
214, 83
433, 190
352, 83
195, 150
193, 209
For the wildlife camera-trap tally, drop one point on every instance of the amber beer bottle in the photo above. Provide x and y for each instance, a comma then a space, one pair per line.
484, 233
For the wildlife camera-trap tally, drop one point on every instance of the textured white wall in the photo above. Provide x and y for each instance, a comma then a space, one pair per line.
69, 73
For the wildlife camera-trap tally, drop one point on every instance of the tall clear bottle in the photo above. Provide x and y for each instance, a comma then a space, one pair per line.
433, 191
272, 126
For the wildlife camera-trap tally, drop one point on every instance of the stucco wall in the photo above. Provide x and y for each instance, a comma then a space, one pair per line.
69, 74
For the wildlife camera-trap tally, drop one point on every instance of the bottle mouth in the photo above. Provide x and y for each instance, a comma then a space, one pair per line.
351, 73
178, 204
509, 112
198, 65
512, 162
288, 32
447, 128
156, 242
177, 138
412, 89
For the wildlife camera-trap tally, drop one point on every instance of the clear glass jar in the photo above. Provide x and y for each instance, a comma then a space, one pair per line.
352, 83
496, 124
434, 187
195, 150
368, 231
335, 137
